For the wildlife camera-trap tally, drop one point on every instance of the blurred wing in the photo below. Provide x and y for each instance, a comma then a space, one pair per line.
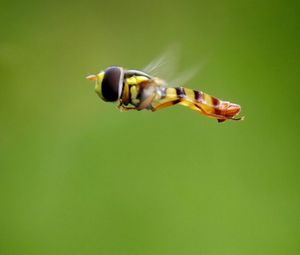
164, 66
183, 77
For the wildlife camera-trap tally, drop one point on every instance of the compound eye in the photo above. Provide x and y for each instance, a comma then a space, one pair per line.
112, 84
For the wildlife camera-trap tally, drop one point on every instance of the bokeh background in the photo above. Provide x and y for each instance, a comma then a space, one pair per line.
79, 177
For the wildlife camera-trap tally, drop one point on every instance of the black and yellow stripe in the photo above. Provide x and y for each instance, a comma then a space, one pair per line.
196, 100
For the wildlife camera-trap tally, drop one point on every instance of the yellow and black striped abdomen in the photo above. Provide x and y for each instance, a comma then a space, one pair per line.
196, 100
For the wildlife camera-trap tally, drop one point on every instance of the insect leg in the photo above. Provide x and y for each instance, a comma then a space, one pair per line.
124, 108
164, 105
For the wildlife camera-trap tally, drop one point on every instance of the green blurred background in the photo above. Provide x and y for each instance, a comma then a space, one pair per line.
79, 177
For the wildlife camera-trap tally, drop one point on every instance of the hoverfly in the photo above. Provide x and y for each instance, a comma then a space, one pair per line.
138, 90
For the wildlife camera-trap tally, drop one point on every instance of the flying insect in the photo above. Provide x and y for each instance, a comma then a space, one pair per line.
138, 90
